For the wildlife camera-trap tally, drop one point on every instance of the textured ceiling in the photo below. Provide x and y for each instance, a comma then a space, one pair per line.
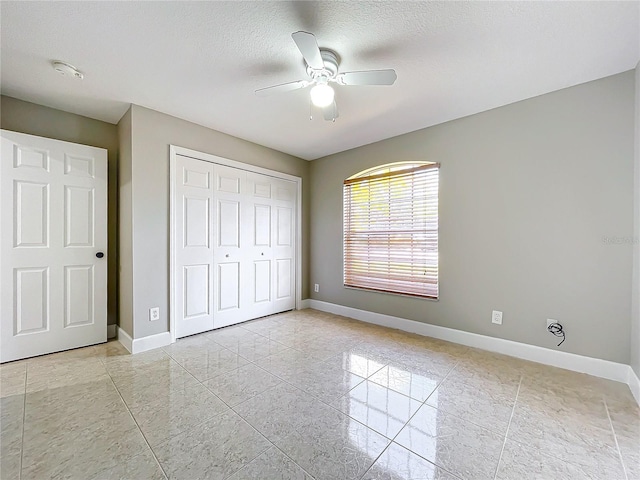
202, 61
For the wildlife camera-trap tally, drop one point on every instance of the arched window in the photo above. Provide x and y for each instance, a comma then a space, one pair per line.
391, 229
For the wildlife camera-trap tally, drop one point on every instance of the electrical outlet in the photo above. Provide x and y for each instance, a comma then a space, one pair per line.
316, 288
496, 317
154, 314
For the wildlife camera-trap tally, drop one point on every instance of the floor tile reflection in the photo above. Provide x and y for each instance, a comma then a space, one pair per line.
335, 447
415, 384
460, 447
310, 395
377, 407
398, 463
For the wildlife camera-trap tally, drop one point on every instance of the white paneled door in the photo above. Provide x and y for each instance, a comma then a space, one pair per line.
234, 245
53, 243
193, 194
230, 259
271, 204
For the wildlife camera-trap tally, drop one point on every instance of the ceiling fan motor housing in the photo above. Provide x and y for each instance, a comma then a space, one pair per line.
330, 70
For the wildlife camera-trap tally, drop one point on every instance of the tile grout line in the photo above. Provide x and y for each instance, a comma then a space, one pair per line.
103, 363
466, 420
261, 453
286, 382
347, 371
313, 397
209, 390
310, 394
357, 421
254, 362
422, 404
438, 385
206, 388
234, 411
134, 420
615, 438
427, 405
506, 433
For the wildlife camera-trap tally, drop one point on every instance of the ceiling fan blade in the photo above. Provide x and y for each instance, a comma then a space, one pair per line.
330, 112
283, 87
368, 77
308, 47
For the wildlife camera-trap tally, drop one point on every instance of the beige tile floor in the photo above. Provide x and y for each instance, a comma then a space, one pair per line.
306, 395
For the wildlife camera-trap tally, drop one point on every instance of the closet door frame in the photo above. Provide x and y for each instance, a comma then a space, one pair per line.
174, 151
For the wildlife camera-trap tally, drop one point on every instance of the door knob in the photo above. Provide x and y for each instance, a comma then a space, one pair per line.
99, 254
227, 255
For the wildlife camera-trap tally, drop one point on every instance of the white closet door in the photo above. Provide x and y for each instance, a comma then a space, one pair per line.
53, 233
270, 244
230, 256
259, 240
284, 215
194, 242
234, 245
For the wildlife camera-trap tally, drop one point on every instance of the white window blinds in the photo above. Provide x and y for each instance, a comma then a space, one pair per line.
391, 230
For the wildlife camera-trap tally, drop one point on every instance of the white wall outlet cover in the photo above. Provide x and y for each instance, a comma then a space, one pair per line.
154, 314
316, 287
496, 317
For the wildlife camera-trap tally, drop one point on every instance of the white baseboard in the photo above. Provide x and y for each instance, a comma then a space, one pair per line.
112, 331
152, 341
125, 340
634, 384
143, 344
305, 303
570, 361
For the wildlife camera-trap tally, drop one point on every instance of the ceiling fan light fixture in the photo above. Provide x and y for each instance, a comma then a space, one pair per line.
322, 95
322, 69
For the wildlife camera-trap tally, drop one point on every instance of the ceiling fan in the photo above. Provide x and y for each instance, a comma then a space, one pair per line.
322, 68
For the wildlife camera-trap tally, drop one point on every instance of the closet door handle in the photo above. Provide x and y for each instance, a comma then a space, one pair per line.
262, 253
227, 255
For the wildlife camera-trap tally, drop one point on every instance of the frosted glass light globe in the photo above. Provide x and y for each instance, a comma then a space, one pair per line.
322, 95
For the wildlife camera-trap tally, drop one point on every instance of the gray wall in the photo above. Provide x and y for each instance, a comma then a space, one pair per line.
125, 284
25, 117
635, 314
152, 133
528, 194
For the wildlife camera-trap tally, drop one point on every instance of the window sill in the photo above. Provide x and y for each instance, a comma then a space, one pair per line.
362, 289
